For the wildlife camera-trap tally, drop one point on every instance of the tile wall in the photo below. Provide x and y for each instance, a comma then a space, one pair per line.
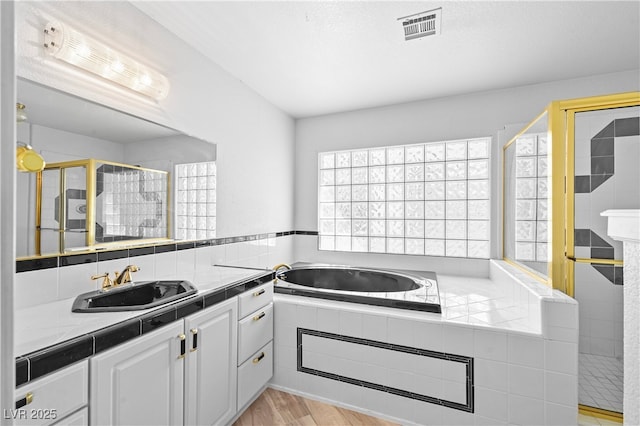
49, 282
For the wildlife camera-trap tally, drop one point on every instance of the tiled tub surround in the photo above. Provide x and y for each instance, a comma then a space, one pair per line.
50, 336
519, 336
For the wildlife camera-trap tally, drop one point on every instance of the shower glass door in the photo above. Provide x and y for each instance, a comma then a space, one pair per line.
603, 159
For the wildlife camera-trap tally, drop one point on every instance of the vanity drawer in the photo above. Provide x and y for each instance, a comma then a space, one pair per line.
50, 398
254, 299
254, 374
254, 332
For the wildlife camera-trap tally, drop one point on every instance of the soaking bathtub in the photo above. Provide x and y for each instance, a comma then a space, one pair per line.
370, 286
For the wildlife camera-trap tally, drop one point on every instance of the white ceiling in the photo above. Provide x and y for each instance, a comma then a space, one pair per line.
316, 57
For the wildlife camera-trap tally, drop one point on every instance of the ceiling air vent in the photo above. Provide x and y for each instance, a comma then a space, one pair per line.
421, 24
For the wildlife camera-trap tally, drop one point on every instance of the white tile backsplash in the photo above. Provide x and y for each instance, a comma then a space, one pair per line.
111, 266
186, 264
48, 285
146, 267
76, 279
35, 287
165, 265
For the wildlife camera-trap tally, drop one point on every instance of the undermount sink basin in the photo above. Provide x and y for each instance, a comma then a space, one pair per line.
138, 296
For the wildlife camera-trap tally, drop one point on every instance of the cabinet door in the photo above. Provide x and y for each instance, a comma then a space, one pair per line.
141, 382
210, 382
52, 397
80, 418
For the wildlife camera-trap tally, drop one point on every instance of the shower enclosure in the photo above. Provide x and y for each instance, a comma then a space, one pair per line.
89, 203
577, 159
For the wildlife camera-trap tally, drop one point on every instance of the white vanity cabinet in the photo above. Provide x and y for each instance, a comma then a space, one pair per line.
183, 373
140, 382
50, 399
210, 380
255, 337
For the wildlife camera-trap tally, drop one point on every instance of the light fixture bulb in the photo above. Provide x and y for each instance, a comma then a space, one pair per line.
82, 51
21, 115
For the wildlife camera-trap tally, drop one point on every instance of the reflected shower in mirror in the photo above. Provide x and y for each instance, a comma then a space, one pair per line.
526, 197
66, 129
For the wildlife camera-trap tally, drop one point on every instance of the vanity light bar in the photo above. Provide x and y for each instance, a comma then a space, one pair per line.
82, 51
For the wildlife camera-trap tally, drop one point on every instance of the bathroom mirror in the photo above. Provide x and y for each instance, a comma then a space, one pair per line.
65, 129
526, 181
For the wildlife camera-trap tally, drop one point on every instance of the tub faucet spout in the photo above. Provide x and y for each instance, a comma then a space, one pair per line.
280, 266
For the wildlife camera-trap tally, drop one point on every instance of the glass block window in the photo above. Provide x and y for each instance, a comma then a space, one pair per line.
425, 199
531, 210
195, 201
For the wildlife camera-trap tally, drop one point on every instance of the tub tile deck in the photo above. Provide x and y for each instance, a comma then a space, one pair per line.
480, 301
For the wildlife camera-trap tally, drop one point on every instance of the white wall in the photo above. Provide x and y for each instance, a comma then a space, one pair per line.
457, 117
255, 140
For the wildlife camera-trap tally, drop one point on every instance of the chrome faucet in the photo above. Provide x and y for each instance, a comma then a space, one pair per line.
125, 276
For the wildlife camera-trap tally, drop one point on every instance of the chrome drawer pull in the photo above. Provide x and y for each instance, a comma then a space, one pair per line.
258, 358
259, 317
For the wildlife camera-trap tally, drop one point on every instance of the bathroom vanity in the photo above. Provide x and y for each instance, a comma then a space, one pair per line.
198, 361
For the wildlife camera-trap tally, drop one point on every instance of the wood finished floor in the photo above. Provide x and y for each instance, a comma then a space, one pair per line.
274, 407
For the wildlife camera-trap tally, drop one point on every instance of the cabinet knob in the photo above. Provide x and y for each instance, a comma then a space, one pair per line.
258, 358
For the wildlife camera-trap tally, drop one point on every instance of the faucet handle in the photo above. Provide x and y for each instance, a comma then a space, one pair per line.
106, 283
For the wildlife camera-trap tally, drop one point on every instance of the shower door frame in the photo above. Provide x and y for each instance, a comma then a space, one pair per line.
566, 112
561, 139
